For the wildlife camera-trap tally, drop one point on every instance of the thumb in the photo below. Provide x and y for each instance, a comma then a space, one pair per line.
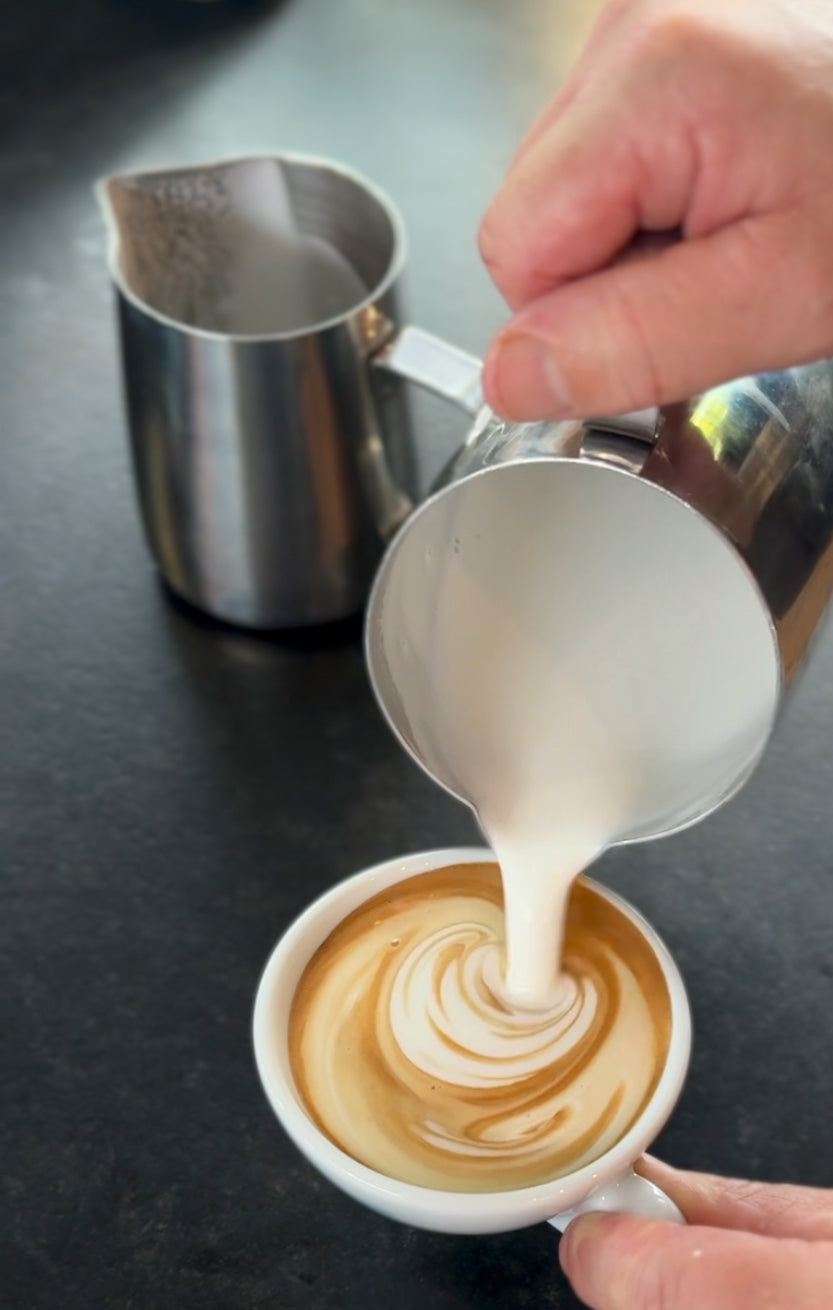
620, 1262
663, 327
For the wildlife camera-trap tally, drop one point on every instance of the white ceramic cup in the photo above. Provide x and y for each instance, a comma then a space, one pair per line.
608, 1183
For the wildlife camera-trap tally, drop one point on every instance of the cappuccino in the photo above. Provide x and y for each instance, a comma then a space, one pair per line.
409, 1055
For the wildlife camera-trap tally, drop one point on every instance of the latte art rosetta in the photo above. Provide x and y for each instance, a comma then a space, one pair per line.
448, 1021
408, 1057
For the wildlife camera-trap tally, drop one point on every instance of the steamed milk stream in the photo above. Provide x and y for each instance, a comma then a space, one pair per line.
582, 662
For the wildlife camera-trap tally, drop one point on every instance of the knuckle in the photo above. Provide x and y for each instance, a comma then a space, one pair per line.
539, 270
488, 240
616, 10
504, 252
672, 34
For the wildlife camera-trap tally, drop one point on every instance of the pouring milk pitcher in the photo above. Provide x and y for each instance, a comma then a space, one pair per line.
263, 361
629, 598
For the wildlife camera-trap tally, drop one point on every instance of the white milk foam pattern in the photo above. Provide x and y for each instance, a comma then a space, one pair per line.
413, 1064
448, 1020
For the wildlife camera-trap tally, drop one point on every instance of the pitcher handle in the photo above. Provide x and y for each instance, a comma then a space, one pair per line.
629, 1193
434, 364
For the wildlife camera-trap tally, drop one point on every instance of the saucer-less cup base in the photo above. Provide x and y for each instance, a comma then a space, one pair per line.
609, 1183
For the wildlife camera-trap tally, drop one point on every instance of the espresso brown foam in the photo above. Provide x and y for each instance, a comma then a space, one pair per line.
395, 1112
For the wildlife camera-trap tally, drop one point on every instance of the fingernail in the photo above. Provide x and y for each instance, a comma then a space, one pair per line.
523, 380
573, 1249
649, 1163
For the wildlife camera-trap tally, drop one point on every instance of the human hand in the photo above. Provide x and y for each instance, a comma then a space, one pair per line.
710, 119
746, 1245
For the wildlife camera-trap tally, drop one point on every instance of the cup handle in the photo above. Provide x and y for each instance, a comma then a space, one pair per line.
628, 1194
434, 364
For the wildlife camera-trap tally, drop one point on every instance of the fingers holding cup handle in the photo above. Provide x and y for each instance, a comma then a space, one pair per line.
627, 1193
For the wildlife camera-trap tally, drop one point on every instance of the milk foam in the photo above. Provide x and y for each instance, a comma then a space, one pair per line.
411, 1060
448, 1020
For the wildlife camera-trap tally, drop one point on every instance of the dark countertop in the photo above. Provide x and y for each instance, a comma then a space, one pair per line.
172, 793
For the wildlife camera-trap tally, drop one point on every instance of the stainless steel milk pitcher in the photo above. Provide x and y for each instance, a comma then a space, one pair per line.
744, 470
272, 458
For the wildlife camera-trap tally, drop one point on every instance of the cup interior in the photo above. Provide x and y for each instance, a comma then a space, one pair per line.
442, 1211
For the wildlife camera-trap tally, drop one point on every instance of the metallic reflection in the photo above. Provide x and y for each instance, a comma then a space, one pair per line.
754, 457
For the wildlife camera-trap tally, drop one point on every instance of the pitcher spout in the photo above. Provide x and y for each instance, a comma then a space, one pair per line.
247, 247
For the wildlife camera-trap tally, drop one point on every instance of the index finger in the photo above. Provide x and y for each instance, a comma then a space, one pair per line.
772, 1210
608, 167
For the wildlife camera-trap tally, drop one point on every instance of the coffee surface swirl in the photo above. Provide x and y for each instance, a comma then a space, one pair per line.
408, 1057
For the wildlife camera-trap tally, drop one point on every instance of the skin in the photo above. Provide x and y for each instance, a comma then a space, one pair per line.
746, 1245
710, 123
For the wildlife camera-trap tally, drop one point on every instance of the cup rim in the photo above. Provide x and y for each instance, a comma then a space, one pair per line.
380, 581
396, 263
434, 1207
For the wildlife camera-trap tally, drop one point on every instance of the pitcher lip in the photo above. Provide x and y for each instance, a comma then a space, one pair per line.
628, 839
102, 190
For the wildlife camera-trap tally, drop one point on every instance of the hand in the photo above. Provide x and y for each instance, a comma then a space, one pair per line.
749, 1245
708, 119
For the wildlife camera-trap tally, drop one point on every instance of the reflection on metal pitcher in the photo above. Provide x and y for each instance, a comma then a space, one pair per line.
754, 457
